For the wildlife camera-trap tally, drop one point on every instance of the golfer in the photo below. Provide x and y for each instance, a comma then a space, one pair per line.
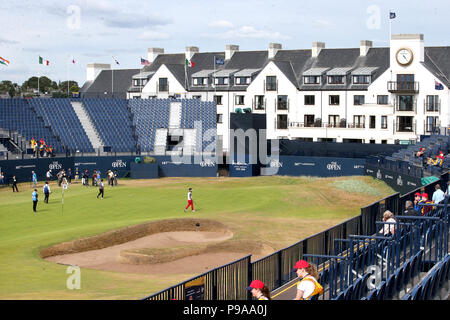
34, 178
35, 196
101, 189
46, 191
190, 201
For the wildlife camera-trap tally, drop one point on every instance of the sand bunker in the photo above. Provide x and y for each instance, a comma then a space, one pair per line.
194, 245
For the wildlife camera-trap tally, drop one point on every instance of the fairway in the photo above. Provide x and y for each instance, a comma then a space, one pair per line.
275, 211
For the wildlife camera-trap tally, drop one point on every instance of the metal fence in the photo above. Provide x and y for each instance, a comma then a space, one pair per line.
229, 281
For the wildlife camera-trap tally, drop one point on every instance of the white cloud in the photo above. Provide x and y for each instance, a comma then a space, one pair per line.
248, 32
6, 41
220, 24
154, 35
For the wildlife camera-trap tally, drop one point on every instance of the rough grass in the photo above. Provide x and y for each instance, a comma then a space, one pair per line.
277, 211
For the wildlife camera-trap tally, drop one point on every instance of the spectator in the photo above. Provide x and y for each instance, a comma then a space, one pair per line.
417, 199
69, 175
438, 195
409, 209
108, 175
425, 209
48, 175
34, 178
388, 229
420, 153
85, 180
46, 191
35, 196
259, 290
14, 183
77, 175
308, 286
115, 177
94, 178
2, 177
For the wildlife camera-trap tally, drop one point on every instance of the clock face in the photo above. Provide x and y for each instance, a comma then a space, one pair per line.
404, 56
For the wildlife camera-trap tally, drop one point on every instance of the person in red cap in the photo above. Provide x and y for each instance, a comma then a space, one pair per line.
417, 198
308, 286
424, 200
259, 290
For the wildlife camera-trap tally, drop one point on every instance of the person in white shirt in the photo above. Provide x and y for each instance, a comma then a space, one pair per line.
438, 195
190, 201
46, 190
101, 189
388, 229
48, 175
308, 286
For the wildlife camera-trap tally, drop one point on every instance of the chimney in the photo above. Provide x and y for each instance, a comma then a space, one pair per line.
364, 47
316, 48
230, 50
273, 49
153, 53
93, 69
190, 51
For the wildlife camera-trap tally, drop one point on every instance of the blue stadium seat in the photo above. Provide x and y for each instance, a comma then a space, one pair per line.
390, 287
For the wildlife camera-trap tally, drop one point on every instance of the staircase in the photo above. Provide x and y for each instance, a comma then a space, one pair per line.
175, 115
160, 141
88, 127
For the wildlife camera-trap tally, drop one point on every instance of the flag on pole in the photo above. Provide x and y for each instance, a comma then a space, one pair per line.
117, 62
189, 63
4, 61
145, 62
392, 15
73, 61
219, 61
438, 85
43, 61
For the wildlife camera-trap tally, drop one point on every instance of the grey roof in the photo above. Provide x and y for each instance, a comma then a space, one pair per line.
339, 71
364, 71
225, 72
437, 61
315, 71
202, 73
104, 81
247, 72
143, 75
287, 69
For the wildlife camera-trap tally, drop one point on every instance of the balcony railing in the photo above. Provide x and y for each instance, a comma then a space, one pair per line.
327, 125
403, 87
402, 127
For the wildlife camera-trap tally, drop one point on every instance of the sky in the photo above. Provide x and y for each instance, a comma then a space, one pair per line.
95, 31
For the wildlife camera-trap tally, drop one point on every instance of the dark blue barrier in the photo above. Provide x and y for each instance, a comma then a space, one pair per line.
169, 167
240, 169
144, 171
319, 166
399, 182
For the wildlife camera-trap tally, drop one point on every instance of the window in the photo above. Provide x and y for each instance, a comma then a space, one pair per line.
358, 121
282, 122
219, 118
271, 83
383, 141
311, 79
431, 124
196, 97
282, 103
372, 141
200, 81
242, 80
239, 100
309, 120
259, 103
361, 79
372, 122
358, 100
218, 100
334, 100
335, 79
310, 100
383, 122
432, 103
405, 103
382, 99
221, 81
163, 85
405, 124
333, 121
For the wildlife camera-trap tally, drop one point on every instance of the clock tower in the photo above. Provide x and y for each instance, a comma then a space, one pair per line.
407, 50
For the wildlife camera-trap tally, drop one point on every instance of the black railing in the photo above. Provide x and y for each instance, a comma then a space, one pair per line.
406, 87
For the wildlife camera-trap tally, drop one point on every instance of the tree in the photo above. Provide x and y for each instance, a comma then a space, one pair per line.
45, 84
73, 86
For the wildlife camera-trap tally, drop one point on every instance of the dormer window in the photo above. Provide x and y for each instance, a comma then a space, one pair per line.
199, 81
311, 79
242, 80
221, 81
335, 79
361, 79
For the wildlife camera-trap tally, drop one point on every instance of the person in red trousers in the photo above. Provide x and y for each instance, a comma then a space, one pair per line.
190, 201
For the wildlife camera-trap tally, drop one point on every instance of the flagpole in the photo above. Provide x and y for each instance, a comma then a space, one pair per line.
68, 81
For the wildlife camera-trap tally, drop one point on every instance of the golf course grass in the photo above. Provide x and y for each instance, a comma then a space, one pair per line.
277, 211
